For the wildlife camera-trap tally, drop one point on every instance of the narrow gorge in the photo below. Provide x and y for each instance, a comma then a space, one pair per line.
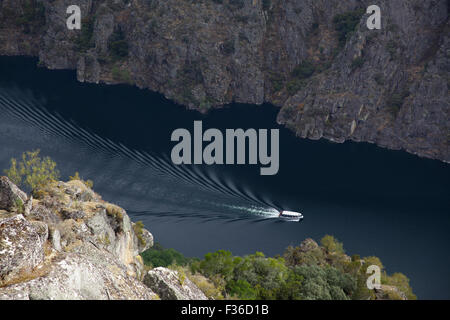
331, 77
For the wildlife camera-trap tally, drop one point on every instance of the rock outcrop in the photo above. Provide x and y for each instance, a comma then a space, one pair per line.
317, 60
171, 285
386, 292
21, 246
73, 245
12, 198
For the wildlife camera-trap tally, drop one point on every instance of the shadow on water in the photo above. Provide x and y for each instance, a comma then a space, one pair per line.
378, 202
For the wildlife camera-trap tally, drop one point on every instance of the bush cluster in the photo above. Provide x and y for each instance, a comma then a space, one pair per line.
321, 272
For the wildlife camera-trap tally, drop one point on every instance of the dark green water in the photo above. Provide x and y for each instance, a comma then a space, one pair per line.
378, 202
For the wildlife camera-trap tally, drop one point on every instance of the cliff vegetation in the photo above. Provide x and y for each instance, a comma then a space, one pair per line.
330, 75
64, 242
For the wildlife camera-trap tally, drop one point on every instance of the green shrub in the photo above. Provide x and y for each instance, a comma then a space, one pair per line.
121, 75
118, 45
296, 256
138, 228
324, 283
277, 81
115, 212
186, 96
228, 47
400, 281
85, 41
242, 289
301, 274
87, 183
331, 244
217, 263
157, 256
32, 171
19, 205
395, 101
357, 63
345, 24
304, 70
295, 85
210, 290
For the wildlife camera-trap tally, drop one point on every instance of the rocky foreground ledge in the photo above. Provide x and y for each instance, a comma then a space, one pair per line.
70, 244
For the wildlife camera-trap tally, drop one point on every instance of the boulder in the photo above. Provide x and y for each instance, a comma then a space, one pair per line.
90, 275
171, 285
69, 244
21, 247
308, 245
77, 190
72, 214
11, 197
387, 292
42, 213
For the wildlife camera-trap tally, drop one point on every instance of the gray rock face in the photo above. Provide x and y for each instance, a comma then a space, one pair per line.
385, 86
388, 87
308, 245
53, 253
92, 275
11, 197
170, 285
386, 292
21, 246
73, 245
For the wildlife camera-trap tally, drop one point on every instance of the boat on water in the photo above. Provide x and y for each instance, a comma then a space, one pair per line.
290, 215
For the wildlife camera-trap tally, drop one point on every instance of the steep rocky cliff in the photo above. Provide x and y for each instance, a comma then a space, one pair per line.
70, 244
316, 59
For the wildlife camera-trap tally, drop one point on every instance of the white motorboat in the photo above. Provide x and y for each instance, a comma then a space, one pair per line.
290, 215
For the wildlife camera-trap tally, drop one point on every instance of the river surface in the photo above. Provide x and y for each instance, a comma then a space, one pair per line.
390, 204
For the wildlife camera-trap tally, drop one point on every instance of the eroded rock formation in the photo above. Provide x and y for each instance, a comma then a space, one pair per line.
331, 76
71, 245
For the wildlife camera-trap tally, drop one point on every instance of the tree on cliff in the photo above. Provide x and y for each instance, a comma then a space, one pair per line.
32, 171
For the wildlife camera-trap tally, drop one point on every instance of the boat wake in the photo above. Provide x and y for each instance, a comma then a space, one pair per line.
136, 179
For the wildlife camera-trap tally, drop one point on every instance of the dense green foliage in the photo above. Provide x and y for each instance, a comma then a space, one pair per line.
138, 228
32, 171
306, 272
157, 256
35, 173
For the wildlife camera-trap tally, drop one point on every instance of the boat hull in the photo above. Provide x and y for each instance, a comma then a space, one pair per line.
291, 216
291, 219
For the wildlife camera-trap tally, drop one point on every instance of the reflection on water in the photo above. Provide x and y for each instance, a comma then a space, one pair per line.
378, 202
